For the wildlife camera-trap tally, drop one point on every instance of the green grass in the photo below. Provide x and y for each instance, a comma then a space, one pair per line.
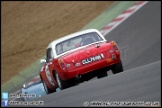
109, 14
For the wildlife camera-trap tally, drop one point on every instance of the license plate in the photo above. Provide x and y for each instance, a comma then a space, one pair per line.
92, 59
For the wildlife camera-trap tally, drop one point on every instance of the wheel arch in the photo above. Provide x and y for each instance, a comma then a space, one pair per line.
54, 77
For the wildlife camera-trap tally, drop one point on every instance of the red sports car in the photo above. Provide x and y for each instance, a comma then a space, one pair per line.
73, 56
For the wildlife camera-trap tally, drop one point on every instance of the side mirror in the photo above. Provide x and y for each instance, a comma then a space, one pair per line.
24, 85
43, 61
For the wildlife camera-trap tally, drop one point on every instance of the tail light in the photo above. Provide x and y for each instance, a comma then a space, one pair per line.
115, 49
62, 64
114, 45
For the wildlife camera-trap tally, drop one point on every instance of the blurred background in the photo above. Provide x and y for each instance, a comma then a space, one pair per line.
29, 26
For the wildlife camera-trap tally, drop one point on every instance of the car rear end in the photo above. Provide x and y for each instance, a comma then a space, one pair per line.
88, 59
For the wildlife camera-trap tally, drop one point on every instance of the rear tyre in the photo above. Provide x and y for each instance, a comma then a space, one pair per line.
64, 84
117, 68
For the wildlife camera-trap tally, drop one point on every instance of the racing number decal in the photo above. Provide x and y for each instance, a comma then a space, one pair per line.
49, 75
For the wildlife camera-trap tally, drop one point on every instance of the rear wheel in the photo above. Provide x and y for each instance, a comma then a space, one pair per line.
64, 84
117, 68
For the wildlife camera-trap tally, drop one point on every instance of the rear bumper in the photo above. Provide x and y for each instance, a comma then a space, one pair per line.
88, 68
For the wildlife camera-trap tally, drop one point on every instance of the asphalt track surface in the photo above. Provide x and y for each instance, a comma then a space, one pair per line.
139, 39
